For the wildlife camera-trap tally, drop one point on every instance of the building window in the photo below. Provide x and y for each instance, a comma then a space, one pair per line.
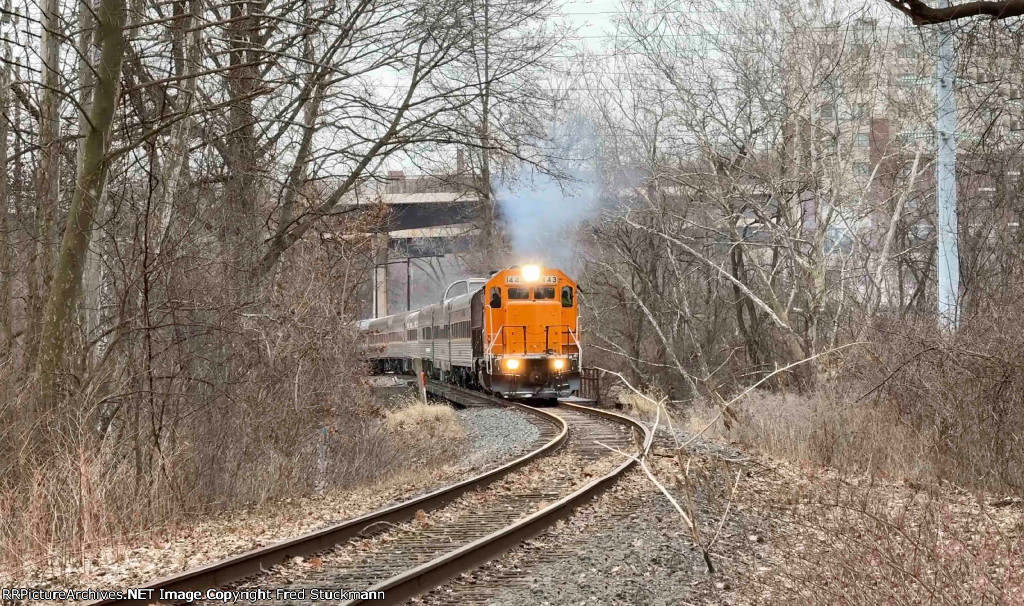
827, 111
915, 135
861, 140
911, 80
860, 50
862, 169
907, 51
861, 111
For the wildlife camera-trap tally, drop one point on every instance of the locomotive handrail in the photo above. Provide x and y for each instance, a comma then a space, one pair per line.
568, 328
504, 344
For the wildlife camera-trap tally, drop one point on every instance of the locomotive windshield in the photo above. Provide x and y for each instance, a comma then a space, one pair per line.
517, 293
544, 292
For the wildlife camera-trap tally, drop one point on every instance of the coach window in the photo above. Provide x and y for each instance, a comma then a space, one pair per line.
542, 293
567, 296
495, 297
517, 293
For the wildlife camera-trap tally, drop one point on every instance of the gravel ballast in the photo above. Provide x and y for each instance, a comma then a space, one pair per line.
630, 546
497, 434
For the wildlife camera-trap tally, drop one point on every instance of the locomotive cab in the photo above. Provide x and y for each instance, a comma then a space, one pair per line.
530, 334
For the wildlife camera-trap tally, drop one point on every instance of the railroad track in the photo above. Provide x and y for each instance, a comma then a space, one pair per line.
471, 521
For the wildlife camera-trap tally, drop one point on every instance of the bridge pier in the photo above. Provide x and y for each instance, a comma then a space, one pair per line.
380, 275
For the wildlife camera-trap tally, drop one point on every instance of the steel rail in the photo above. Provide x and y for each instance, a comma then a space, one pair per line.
420, 579
252, 562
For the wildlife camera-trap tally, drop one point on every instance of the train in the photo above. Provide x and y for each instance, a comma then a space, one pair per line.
514, 334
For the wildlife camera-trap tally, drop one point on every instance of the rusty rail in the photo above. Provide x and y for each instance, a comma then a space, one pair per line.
252, 562
431, 574
423, 577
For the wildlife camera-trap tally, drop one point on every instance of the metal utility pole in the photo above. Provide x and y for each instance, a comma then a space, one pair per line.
948, 257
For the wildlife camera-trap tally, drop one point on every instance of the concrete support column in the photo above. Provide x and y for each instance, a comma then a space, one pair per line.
380, 275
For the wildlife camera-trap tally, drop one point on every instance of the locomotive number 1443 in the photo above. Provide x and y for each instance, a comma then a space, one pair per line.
519, 280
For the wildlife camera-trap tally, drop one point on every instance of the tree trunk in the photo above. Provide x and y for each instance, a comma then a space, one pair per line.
174, 157
239, 218
86, 79
487, 200
6, 332
297, 175
67, 280
48, 169
875, 299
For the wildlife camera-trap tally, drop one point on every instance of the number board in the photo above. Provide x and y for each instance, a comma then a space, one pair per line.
519, 280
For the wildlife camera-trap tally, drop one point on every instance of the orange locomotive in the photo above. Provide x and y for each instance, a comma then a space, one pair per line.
515, 334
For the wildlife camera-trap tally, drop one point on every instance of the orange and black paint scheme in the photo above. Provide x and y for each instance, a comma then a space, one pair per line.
514, 334
530, 334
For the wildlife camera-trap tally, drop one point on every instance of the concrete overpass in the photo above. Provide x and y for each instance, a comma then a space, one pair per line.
427, 216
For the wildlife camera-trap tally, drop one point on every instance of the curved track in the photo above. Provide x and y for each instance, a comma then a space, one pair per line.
515, 517
471, 532
554, 432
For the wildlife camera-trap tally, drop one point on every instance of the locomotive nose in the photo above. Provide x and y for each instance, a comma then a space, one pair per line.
536, 377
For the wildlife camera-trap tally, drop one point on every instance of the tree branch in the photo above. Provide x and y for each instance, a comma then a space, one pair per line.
922, 14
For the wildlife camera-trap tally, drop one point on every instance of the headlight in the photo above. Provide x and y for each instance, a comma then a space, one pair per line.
531, 273
512, 364
559, 364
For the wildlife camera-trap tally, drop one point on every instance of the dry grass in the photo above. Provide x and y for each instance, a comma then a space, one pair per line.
862, 438
964, 393
841, 542
425, 420
645, 408
82, 503
161, 552
914, 404
909, 437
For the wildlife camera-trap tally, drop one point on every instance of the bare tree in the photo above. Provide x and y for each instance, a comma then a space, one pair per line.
67, 279
746, 194
5, 204
214, 245
48, 169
